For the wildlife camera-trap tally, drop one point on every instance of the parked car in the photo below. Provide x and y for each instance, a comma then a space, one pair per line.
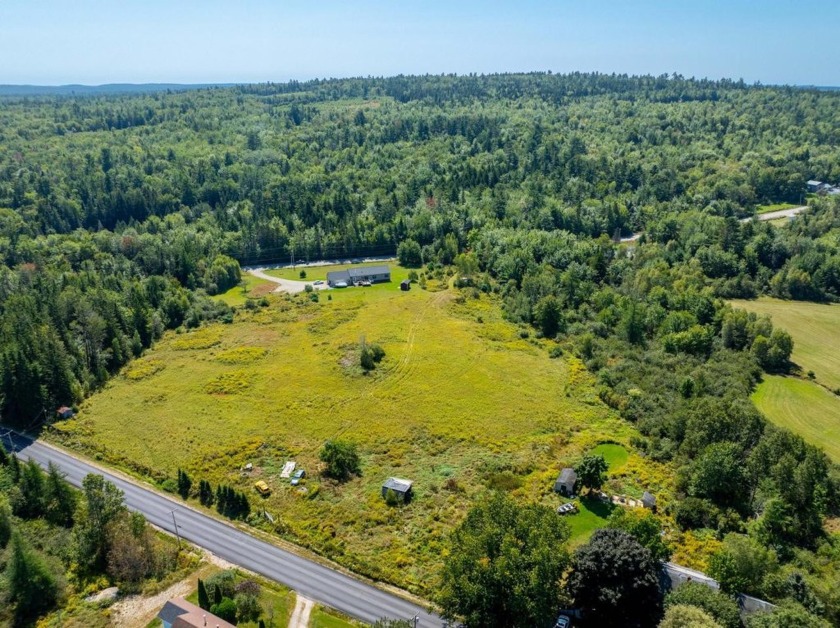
340, 284
320, 282
262, 488
563, 622
298, 476
366, 284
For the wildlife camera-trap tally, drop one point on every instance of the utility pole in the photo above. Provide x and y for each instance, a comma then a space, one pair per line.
177, 535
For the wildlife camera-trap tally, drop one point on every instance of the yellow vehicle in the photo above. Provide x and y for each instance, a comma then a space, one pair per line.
262, 488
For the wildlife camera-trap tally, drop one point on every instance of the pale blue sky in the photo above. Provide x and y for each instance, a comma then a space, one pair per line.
191, 41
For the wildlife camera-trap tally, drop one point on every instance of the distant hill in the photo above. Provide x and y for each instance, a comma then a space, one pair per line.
111, 88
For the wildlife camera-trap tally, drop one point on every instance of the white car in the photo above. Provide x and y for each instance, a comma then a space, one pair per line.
562, 622
320, 282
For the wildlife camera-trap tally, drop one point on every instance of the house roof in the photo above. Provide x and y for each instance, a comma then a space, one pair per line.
398, 484
814, 182
649, 499
364, 271
64, 409
182, 614
567, 475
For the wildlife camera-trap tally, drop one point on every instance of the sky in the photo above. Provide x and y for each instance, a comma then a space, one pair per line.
54, 42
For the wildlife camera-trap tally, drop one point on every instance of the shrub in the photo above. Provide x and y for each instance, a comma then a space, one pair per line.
721, 607
302, 274
341, 459
226, 609
680, 616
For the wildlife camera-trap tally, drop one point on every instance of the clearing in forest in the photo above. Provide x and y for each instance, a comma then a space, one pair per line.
461, 402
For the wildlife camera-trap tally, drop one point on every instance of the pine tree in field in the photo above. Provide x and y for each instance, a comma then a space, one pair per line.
205, 493
184, 484
220, 499
203, 600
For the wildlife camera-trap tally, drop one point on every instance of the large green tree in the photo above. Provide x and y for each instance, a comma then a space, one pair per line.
504, 565
102, 503
341, 459
615, 581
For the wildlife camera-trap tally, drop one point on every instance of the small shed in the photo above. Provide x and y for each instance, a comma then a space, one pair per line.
815, 186
565, 484
65, 413
649, 501
400, 487
405, 285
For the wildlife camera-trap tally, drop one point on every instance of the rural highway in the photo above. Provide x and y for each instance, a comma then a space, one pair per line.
311, 579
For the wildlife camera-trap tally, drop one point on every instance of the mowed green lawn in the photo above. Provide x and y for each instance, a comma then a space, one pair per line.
775, 207
815, 329
803, 407
459, 398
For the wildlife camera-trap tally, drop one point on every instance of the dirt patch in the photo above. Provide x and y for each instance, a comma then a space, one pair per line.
262, 290
137, 611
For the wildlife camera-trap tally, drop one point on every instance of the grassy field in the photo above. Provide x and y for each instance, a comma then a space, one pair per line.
614, 455
249, 288
803, 407
815, 329
775, 207
461, 402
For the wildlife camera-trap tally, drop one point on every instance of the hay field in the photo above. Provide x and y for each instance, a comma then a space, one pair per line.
815, 328
803, 407
461, 402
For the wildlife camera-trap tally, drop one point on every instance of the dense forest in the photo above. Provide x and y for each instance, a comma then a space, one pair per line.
121, 214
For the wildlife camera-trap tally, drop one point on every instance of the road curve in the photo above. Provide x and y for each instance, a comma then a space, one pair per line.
285, 285
309, 578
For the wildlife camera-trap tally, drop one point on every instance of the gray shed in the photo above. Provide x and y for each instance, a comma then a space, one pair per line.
401, 487
565, 484
649, 501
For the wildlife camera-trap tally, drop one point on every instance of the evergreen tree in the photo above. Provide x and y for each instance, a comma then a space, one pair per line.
32, 493
184, 484
14, 466
59, 497
5, 522
31, 585
203, 599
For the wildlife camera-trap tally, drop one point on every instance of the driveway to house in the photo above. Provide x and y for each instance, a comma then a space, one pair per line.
314, 580
291, 286
285, 285
782, 213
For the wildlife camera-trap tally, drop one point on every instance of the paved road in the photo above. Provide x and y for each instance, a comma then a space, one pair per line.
311, 579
